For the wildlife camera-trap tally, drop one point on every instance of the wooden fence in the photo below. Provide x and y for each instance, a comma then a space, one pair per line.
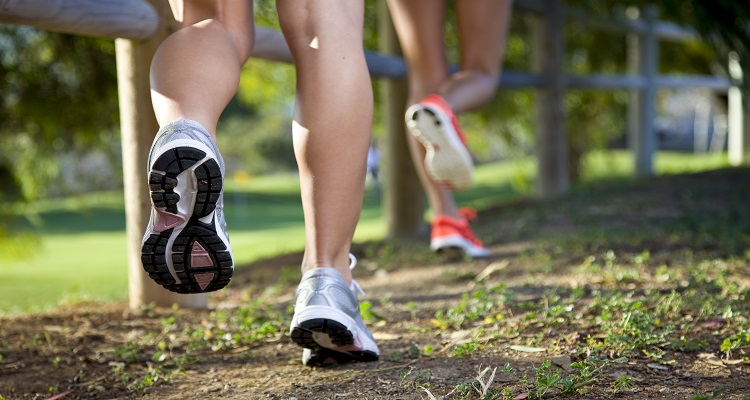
139, 26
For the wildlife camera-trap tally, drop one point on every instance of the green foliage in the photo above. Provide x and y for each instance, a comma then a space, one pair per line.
477, 305
410, 353
59, 94
547, 381
412, 379
716, 394
722, 25
467, 349
369, 315
740, 339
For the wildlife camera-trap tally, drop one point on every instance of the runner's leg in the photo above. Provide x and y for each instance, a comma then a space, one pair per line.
332, 122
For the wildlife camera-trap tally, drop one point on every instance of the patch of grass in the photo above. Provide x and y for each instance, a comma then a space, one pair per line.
482, 304
79, 248
160, 356
81, 242
627, 304
416, 379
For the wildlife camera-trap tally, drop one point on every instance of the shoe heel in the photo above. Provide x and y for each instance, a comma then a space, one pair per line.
321, 333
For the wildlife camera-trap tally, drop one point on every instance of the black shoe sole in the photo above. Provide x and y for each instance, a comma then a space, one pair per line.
194, 239
339, 335
326, 357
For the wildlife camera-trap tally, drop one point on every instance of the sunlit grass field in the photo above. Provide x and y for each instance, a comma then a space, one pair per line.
79, 251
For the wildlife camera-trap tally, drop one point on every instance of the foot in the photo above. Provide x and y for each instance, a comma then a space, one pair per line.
447, 160
186, 248
450, 234
326, 321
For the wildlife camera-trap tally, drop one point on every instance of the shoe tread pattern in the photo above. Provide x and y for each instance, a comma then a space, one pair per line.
443, 163
162, 182
339, 335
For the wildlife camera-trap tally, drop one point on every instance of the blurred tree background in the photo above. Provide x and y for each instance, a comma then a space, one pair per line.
60, 135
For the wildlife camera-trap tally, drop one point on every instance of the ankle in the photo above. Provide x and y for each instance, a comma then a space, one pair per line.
345, 272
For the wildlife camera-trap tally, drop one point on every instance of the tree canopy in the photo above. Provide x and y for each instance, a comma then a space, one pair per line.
59, 91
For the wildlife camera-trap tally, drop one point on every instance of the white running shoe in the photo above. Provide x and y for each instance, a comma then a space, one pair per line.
447, 160
185, 247
327, 322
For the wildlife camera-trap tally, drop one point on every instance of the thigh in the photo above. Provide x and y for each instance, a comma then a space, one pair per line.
235, 14
420, 25
482, 27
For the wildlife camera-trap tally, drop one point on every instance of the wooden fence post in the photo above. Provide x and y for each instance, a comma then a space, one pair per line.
403, 204
138, 125
551, 134
643, 53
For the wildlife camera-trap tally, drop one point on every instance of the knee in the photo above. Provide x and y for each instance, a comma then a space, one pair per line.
315, 23
299, 25
484, 82
487, 77
243, 38
231, 19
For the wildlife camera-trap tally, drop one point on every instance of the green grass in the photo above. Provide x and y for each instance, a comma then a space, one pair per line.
81, 249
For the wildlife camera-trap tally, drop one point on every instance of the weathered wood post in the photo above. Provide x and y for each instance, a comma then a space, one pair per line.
403, 203
643, 54
138, 125
551, 134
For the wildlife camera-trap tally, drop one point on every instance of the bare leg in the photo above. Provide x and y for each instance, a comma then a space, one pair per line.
332, 122
194, 74
196, 70
420, 27
483, 29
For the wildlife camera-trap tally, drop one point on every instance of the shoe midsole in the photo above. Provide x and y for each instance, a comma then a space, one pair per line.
325, 312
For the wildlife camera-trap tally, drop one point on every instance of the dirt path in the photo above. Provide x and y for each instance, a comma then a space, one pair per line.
440, 324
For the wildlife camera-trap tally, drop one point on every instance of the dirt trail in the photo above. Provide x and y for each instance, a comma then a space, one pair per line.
99, 351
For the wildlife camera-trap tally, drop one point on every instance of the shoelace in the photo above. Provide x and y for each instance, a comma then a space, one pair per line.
353, 264
468, 214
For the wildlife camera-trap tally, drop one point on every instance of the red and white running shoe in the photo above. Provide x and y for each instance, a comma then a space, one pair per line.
451, 233
447, 161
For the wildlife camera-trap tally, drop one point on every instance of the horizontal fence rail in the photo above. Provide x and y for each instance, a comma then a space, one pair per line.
130, 19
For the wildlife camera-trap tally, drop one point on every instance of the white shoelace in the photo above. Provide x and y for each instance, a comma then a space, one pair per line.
354, 284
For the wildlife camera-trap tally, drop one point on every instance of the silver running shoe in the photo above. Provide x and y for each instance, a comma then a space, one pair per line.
186, 248
327, 322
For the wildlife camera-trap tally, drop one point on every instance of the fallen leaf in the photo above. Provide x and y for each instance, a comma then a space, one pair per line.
618, 374
527, 349
657, 366
61, 395
712, 324
562, 361
711, 359
521, 396
733, 362
458, 335
385, 336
